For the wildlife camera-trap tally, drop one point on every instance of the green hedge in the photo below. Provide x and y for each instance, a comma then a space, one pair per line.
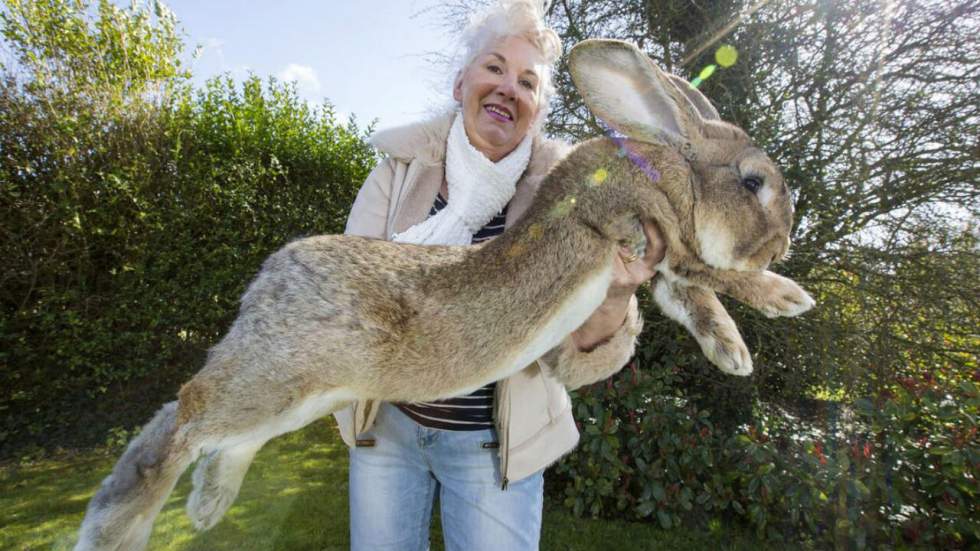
131, 230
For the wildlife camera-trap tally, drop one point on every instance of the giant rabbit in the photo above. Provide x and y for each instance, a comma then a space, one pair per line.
331, 319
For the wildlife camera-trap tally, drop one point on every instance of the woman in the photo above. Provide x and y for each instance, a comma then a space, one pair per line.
457, 179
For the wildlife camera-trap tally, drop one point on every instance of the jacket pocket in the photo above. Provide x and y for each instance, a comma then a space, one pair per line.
530, 405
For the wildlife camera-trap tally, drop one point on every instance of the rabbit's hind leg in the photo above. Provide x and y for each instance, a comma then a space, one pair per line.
220, 472
217, 479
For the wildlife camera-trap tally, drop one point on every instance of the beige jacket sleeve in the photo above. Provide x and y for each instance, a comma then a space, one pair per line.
369, 215
575, 368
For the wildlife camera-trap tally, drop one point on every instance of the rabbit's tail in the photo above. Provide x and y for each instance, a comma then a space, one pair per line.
120, 516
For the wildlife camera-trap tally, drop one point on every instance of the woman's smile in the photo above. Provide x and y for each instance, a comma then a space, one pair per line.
498, 113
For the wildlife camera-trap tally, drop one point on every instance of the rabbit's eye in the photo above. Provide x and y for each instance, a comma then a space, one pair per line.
752, 183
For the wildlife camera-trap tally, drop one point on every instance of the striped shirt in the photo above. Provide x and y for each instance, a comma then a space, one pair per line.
473, 411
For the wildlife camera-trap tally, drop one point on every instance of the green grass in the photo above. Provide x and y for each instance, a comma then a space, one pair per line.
294, 498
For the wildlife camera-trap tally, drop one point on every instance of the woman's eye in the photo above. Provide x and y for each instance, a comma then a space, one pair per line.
495, 69
527, 84
752, 183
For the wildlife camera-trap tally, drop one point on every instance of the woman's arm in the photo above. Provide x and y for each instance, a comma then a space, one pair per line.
606, 341
627, 277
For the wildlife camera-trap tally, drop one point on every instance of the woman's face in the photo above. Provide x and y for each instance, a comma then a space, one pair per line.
499, 94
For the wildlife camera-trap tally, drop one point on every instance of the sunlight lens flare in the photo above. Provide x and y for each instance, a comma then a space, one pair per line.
725, 57
599, 176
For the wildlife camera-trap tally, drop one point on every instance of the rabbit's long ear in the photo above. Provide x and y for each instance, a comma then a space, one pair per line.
625, 89
703, 104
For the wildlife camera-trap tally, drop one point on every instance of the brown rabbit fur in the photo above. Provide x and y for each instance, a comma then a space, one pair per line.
332, 319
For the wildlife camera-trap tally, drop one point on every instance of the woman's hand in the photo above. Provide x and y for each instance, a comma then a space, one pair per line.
629, 273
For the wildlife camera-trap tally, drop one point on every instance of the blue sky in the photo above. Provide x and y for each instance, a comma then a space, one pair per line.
367, 57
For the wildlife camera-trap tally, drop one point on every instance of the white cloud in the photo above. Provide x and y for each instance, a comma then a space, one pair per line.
304, 76
212, 44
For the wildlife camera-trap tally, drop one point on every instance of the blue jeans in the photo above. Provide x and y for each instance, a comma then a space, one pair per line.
393, 485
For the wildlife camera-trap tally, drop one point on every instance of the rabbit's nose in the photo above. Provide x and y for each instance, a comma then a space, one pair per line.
781, 251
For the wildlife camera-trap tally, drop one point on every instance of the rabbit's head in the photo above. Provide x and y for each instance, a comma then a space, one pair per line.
739, 210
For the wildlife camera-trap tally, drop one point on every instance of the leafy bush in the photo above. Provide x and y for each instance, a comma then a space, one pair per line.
897, 470
133, 212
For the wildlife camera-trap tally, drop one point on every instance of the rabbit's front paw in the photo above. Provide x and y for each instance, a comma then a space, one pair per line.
725, 348
782, 296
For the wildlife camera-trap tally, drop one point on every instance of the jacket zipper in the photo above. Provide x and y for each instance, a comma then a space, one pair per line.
504, 402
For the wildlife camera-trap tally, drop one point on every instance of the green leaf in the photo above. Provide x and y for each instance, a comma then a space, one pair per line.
658, 492
664, 519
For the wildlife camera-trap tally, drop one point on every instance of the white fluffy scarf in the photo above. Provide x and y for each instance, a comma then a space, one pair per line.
478, 190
